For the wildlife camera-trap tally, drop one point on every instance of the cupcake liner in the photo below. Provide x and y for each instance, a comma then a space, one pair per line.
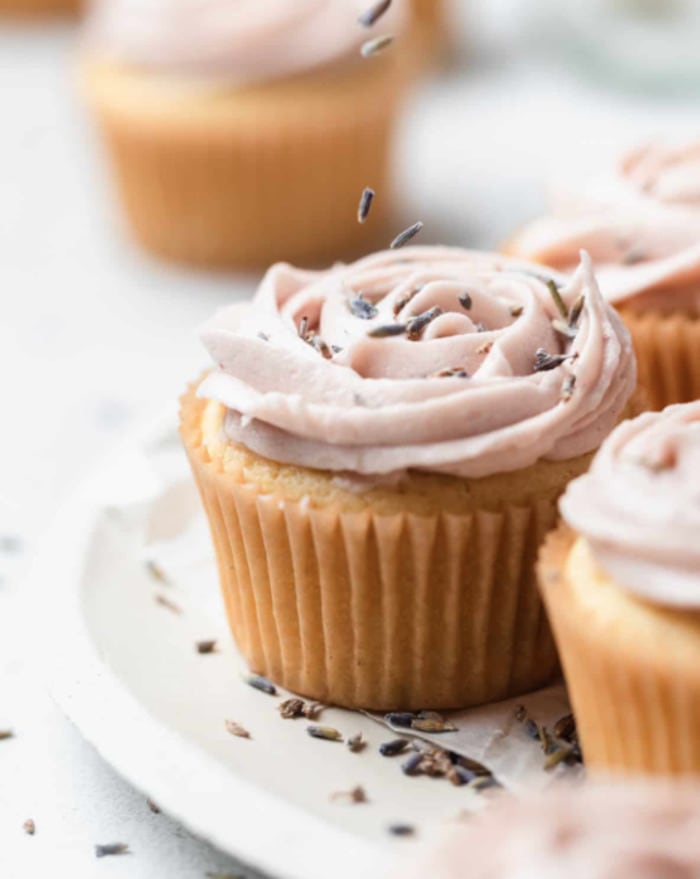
378, 611
430, 26
637, 706
667, 348
244, 178
31, 8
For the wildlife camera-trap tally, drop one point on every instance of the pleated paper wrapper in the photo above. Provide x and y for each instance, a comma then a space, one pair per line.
637, 710
668, 355
378, 611
176, 538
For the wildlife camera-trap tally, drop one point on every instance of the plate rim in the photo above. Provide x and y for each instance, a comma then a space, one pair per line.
133, 741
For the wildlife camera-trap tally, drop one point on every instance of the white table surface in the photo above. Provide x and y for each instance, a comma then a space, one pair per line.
95, 338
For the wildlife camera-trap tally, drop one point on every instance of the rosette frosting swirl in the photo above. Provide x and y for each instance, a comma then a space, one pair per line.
428, 358
639, 505
640, 225
236, 40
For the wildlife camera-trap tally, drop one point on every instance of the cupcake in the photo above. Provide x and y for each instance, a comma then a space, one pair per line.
380, 448
34, 8
239, 131
621, 581
598, 832
641, 227
429, 19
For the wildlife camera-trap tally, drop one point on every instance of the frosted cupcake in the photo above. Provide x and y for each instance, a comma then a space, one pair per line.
641, 227
599, 832
380, 449
244, 131
622, 587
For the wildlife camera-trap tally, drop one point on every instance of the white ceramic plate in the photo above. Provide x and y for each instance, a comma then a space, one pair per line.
125, 670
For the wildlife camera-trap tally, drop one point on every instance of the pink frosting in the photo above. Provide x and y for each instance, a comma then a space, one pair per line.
602, 832
641, 227
235, 40
375, 406
639, 505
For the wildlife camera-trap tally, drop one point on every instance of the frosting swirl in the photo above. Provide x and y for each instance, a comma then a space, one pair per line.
641, 227
235, 40
428, 358
639, 505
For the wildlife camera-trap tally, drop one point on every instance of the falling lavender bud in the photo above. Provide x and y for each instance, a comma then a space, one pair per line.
374, 13
405, 236
366, 200
376, 45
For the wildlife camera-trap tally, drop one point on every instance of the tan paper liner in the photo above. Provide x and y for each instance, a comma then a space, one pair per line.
31, 8
637, 708
378, 611
668, 355
274, 173
431, 30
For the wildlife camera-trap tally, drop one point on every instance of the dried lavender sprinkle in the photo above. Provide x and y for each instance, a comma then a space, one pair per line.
164, 601
401, 829
387, 330
465, 301
556, 296
366, 200
258, 682
416, 325
374, 13
405, 236
111, 848
236, 729
376, 45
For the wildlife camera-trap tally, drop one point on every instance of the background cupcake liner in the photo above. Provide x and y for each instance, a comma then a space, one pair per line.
40, 7
378, 611
430, 24
668, 355
637, 707
272, 172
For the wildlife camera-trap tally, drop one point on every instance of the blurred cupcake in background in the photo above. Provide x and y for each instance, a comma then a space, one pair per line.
621, 581
380, 449
630, 831
38, 8
641, 226
242, 132
430, 25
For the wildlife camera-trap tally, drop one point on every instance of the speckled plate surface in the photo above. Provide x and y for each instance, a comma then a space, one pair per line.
124, 668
